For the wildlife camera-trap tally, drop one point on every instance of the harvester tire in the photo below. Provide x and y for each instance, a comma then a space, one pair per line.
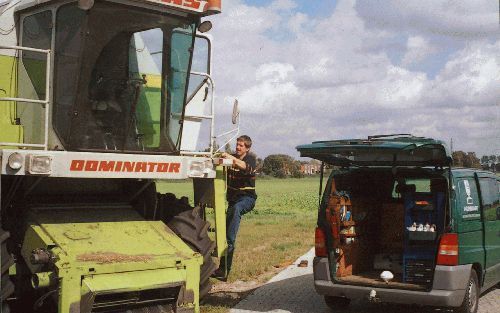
6, 262
193, 230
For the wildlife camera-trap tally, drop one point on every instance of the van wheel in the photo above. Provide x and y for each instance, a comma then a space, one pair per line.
471, 299
337, 302
193, 230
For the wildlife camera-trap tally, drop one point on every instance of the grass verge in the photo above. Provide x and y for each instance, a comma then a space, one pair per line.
272, 236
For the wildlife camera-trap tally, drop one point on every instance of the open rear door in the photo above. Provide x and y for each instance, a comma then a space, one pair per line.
391, 150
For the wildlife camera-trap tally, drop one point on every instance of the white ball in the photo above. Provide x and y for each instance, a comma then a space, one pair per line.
386, 276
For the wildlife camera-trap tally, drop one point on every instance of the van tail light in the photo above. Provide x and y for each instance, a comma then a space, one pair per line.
320, 243
448, 250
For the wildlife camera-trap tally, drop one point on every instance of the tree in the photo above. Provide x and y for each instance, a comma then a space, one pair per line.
458, 158
228, 148
472, 161
259, 166
280, 165
462, 159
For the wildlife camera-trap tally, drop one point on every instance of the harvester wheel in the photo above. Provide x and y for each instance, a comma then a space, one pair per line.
6, 261
193, 230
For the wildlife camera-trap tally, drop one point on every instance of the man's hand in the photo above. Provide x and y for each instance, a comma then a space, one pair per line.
237, 163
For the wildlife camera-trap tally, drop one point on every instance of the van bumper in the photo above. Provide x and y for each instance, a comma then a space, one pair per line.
448, 287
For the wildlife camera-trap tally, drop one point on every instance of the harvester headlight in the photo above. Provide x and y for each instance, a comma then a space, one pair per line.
15, 161
40, 164
200, 168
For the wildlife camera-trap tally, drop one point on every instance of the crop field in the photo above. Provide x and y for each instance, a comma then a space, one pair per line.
275, 233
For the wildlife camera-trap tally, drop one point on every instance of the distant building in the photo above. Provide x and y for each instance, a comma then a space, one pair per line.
310, 169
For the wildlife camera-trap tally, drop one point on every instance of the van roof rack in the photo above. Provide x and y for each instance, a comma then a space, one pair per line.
389, 136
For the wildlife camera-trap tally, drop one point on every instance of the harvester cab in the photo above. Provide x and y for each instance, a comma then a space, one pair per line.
100, 100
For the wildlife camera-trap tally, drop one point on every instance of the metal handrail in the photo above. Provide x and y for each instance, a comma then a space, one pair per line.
45, 103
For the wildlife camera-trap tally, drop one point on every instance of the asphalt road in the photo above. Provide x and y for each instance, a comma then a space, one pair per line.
292, 291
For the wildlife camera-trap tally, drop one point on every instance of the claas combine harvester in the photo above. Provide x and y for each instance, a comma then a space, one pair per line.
99, 101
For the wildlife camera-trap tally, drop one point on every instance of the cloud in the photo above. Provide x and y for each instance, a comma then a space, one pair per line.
418, 48
470, 77
283, 5
450, 18
337, 76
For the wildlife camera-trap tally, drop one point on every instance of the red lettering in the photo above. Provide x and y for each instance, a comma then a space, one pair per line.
77, 165
151, 166
195, 4
162, 167
178, 2
192, 4
140, 166
106, 166
174, 167
118, 166
91, 166
128, 166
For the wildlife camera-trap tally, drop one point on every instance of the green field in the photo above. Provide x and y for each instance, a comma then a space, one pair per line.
275, 233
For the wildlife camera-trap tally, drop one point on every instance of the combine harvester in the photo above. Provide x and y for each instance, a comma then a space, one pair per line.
90, 118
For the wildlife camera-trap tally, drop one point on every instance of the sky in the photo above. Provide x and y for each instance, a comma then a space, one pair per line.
307, 70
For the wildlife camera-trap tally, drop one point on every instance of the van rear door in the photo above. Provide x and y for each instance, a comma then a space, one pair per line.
386, 150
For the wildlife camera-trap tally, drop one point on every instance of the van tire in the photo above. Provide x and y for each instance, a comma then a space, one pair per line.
335, 303
471, 299
193, 230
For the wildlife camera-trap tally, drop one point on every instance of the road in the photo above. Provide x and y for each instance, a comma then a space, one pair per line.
292, 291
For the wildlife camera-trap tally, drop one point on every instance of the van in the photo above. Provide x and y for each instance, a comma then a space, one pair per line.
398, 224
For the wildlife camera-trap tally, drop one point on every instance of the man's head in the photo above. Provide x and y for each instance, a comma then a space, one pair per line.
243, 145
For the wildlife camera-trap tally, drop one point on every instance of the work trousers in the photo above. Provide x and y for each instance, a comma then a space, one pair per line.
235, 211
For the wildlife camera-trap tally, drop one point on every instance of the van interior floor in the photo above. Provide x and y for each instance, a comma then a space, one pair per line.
372, 278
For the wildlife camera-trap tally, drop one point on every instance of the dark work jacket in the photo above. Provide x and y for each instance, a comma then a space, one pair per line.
242, 182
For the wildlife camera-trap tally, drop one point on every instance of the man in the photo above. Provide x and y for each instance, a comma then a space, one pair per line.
241, 197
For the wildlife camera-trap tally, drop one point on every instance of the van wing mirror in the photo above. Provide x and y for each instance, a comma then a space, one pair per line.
236, 112
232, 134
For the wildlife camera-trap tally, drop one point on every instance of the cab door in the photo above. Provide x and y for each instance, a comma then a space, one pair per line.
490, 205
198, 114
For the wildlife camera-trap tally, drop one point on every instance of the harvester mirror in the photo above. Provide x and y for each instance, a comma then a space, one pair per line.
236, 112
85, 4
205, 27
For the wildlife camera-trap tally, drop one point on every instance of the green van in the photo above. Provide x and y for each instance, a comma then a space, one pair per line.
398, 224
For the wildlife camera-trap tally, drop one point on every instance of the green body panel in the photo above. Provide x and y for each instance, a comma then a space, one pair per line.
491, 222
468, 223
111, 250
220, 210
471, 244
10, 131
211, 193
492, 247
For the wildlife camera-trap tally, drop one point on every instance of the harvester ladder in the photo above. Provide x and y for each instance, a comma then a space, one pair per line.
45, 103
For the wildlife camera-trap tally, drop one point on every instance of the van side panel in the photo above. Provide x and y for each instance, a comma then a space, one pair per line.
489, 192
468, 222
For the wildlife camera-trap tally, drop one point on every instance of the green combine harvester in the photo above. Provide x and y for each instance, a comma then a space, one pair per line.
99, 101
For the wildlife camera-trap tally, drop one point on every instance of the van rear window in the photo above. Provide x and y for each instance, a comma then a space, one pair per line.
422, 185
